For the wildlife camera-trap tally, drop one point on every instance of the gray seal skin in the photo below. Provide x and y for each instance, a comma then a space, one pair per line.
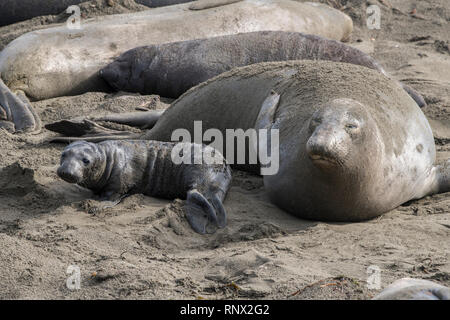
171, 69
352, 143
114, 169
60, 61
414, 289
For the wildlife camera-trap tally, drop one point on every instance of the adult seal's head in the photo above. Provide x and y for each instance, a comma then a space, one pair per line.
337, 136
83, 163
338, 152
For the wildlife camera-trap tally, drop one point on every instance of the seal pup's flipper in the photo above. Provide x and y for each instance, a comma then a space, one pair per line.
17, 110
88, 130
266, 121
202, 215
438, 181
142, 120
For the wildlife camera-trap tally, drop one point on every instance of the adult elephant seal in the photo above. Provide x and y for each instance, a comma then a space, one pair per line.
171, 69
414, 289
114, 169
60, 61
352, 144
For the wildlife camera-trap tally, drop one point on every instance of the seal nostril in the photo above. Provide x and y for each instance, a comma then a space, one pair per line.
66, 176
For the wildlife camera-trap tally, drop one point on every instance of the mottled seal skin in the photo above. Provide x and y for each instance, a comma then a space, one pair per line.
29, 63
171, 69
352, 143
414, 289
113, 169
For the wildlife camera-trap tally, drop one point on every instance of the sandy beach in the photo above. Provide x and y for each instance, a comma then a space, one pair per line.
144, 248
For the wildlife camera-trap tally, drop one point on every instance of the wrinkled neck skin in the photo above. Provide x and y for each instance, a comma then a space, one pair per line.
100, 172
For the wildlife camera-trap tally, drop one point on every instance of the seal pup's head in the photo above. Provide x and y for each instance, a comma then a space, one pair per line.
340, 132
82, 163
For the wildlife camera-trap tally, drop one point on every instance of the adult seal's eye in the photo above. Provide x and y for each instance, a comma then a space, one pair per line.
86, 161
314, 123
351, 126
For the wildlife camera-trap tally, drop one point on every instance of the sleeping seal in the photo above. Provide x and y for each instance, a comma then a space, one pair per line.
114, 169
352, 143
60, 61
170, 69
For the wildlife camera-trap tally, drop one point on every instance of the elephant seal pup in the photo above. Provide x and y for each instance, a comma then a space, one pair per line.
171, 69
414, 289
352, 143
113, 169
59, 61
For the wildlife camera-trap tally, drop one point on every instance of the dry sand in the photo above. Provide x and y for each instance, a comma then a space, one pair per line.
144, 248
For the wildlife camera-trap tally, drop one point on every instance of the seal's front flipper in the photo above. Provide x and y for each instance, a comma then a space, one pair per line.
18, 110
78, 127
7, 125
267, 144
201, 214
415, 95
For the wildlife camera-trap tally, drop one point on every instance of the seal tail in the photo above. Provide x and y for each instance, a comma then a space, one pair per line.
444, 177
86, 130
418, 98
96, 139
80, 129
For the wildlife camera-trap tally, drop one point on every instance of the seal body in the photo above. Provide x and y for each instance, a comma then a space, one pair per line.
60, 61
352, 143
112, 169
170, 69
